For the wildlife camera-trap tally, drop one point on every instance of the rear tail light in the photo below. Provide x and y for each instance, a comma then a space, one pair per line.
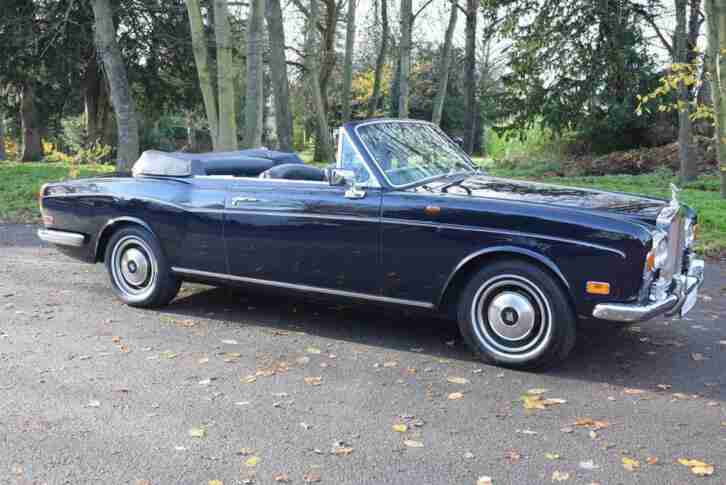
47, 220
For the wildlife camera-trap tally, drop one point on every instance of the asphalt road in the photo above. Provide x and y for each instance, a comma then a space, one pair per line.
92, 391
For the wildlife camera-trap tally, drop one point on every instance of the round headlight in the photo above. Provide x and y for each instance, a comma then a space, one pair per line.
658, 255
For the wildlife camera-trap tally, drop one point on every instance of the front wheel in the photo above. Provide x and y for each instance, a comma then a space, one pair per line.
513, 313
140, 275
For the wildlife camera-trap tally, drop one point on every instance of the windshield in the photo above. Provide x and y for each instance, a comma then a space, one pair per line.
409, 152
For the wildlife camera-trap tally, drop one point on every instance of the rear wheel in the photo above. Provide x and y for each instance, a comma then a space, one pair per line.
140, 275
513, 313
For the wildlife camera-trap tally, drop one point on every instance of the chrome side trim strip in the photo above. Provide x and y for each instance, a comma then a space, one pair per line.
293, 286
62, 238
490, 230
334, 217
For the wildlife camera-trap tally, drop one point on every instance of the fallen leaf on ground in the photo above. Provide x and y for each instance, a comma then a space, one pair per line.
115, 339
313, 381
252, 461
203, 360
312, 477
313, 350
455, 396
389, 364
558, 476
339, 449
651, 460
413, 444
538, 402
143, 481
633, 392
552, 456
281, 477
697, 467
591, 423
536, 391
484, 480
246, 451
214, 482
512, 456
198, 432
630, 464
229, 341
248, 379
400, 428
168, 354
458, 380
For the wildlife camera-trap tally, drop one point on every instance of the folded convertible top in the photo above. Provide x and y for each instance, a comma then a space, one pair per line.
243, 163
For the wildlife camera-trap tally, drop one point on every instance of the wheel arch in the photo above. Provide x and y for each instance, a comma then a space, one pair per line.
110, 227
465, 269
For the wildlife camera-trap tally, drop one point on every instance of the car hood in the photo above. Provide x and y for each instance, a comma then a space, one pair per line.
481, 186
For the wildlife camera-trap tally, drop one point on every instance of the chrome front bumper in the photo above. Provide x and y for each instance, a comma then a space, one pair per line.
62, 238
684, 285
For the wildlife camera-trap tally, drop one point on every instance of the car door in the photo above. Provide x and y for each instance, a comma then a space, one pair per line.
284, 232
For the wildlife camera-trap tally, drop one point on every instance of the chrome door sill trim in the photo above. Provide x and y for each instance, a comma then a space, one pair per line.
61, 238
293, 286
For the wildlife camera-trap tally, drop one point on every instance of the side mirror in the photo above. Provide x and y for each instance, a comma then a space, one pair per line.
339, 176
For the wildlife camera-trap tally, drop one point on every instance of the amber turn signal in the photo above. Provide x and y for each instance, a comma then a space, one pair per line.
598, 288
650, 261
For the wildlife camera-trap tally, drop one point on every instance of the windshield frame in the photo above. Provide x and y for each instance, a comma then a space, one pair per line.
465, 158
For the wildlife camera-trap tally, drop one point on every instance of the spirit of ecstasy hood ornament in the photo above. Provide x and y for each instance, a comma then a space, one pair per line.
674, 193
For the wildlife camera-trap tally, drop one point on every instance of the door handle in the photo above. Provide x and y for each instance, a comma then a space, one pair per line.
354, 192
243, 200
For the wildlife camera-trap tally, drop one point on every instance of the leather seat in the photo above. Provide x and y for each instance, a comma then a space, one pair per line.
294, 171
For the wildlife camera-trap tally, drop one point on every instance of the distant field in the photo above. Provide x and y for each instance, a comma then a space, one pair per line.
21, 182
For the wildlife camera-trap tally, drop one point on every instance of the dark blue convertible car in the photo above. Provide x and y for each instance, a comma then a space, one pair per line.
403, 218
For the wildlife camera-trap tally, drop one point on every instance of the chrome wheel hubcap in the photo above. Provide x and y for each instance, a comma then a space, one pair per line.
511, 315
133, 267
512, 318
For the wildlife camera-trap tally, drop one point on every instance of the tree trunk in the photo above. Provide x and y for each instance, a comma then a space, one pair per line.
324, 143
254, 97
32, 148
444, 66
225, 78
716, 16
689, 168
470, 75
329, 57
123, 103
380, 61
348, 62
201, 59
2, 136
405, 57
91, 86
278, 73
